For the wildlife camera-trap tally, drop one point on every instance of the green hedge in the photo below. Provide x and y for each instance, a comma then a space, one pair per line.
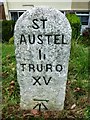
75, 24
0, 30
11, 40
7, 30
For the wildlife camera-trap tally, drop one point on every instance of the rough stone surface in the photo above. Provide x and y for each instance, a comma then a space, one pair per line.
42, 40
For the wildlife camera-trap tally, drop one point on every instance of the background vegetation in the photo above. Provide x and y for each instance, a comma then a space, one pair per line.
76, 102
7, 30
75, 24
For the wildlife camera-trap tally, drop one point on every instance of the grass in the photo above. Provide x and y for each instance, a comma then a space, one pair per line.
76, 92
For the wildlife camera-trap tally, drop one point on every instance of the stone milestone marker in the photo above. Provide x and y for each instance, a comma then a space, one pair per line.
42, 40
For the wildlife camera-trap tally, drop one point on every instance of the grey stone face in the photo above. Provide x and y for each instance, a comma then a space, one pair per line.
42, 40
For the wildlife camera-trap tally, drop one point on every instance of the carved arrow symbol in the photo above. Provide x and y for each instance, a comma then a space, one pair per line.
39, 104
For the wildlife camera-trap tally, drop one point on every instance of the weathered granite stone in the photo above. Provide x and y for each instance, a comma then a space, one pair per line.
42, 40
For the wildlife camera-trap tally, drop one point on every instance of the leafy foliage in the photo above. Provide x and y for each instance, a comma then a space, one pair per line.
11, 40
85, 38
75, 24
7, 29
